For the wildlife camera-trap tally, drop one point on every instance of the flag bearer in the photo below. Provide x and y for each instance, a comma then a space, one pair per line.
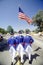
20, 48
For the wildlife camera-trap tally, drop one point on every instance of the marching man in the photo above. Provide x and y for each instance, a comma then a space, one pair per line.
20, 48
12, 44
28, 40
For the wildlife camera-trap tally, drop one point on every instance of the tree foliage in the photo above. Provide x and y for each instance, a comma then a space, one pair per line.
10, 29
3, 31
38, 21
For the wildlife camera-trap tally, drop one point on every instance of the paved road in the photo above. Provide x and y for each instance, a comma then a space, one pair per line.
37, 55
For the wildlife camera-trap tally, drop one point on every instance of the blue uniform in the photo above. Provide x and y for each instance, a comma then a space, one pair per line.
28, 40
17, 38
20, 38
12, 42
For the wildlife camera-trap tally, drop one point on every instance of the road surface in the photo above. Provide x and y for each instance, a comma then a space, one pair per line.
37, 54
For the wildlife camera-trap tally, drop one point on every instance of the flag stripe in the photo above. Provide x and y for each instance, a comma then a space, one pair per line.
23, 16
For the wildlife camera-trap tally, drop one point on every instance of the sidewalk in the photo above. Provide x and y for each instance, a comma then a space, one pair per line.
38, 37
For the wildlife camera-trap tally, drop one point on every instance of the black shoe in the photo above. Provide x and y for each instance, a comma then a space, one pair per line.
30, 62
12, 63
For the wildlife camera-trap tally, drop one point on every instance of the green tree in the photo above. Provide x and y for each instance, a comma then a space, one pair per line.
3, 31
36, 31
38, 21
10, 29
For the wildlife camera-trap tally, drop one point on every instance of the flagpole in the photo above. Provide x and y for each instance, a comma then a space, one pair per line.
18, 60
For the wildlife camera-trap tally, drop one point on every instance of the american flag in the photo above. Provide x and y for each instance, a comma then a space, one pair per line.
23, 16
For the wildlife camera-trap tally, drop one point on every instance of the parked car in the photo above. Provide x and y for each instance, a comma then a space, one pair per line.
3, 46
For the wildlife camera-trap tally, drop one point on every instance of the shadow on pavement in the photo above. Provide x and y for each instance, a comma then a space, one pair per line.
25, 58
3, 45
17, 59
32, 57
37, 49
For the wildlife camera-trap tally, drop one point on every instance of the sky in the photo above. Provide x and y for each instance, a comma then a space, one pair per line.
9, 10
